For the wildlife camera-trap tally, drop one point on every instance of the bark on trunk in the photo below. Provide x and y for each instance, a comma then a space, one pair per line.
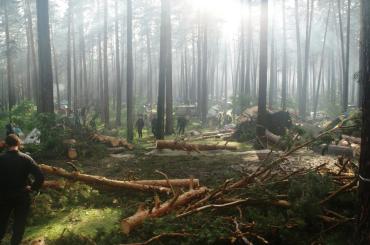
45, 68
101, 181
173, 145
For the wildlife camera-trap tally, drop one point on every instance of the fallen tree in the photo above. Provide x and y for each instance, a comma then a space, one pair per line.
273, 138
335, 150
171, 182
112, 141
351, 139
53, 184
128, 224
175, 145
102, 181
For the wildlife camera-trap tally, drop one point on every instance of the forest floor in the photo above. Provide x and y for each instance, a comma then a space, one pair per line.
80, 214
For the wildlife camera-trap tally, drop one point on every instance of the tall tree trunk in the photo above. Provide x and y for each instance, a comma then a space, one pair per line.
199, 63
242, 82
69, 65
309, 17
321, 65
162, 74
28, 72
299, 54
261, 119
100, 69
248, 53
193, 93
34, 75
105, 64
130, 76
75, 64
118, 70
339, 4
346, 66
150, 69
46, 72
9, 60
284, 66
272, 64
204, 111
169, 98
56, 70
85, 91
186, 76
363, 227
225, 78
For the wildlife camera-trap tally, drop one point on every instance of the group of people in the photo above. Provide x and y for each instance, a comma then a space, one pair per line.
182, 122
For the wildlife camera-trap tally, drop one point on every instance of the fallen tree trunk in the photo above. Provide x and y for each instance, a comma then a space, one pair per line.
101, 181
128, 224
215, 133
174, 145
351, 139
273, 138
112, 141
337, 150
170, 182
53, 184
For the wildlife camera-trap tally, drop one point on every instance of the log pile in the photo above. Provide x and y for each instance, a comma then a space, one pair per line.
176, 145
112, 141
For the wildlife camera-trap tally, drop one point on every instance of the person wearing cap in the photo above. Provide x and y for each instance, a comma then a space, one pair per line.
15, 187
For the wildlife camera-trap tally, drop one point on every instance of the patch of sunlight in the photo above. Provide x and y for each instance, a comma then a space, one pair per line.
82, 221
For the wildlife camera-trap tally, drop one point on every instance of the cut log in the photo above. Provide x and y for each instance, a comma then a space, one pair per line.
112, 141
101, 181
273, 138
174, 145
351, 139
336, 150
344, 142
128, 224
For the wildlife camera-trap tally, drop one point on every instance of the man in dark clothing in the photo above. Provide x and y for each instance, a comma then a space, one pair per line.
181, 124
15, 168
140, 126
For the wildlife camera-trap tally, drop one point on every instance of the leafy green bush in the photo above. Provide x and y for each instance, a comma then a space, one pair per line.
24, 115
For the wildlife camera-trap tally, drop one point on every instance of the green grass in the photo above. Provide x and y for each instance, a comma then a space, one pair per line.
79, 220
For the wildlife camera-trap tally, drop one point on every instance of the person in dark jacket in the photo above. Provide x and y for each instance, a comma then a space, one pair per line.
15, 188
181, 124
140, 125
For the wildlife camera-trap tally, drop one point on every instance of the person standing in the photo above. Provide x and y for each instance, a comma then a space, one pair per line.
140, 125
15, 187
